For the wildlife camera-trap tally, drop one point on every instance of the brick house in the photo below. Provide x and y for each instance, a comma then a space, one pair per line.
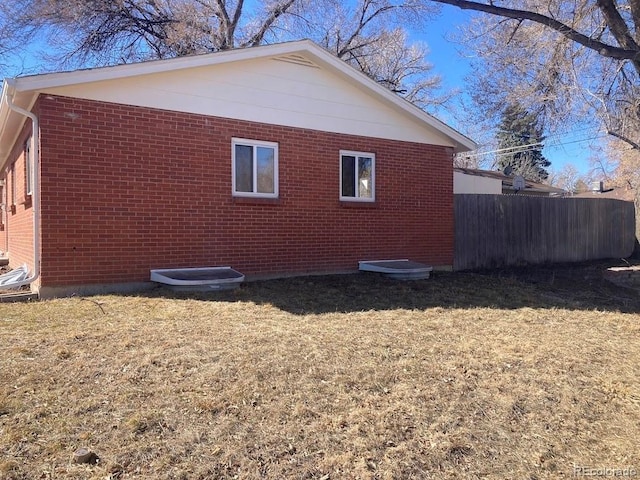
274, 160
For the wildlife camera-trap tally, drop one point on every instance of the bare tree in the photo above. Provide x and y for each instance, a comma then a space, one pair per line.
401, 67
368, 34
564, 59
569, 178
371, 35
614, 17
99, 32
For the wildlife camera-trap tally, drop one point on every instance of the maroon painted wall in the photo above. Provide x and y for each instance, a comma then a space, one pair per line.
126, 189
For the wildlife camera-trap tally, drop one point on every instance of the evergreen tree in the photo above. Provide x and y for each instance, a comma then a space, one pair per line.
519, 128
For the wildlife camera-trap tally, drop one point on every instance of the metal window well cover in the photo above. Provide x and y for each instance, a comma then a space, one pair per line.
198, 279
397, 269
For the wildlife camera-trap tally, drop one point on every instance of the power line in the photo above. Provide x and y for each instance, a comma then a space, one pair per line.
528, 147
508, 150
580, 140
573, 131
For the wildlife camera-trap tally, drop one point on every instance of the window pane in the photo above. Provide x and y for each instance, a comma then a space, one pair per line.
244, 168
266, 169
348, 176
365, 177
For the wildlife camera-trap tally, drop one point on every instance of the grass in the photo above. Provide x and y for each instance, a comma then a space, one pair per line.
517, 374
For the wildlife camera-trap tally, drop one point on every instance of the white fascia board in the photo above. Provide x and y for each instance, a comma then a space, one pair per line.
4, 115
64, 79
7, 139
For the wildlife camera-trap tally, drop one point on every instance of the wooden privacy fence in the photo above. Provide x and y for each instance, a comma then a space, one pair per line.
502, 230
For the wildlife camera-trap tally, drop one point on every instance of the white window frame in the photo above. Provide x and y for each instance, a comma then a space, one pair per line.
14, 186
3, 199
28, 165
357, 198
254, 144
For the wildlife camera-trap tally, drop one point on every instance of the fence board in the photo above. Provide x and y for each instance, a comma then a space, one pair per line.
503, 230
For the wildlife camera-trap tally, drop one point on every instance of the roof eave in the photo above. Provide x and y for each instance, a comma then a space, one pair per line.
8, 88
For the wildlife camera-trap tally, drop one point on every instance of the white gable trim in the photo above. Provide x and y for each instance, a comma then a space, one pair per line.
63, 79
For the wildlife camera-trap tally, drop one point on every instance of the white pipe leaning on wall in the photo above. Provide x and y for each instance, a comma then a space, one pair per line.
35, 195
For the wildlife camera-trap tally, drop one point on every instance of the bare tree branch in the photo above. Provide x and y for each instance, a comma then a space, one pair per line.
274, 14
625, 139
617, 25
635, 15
364, 20
223, 17
604, 49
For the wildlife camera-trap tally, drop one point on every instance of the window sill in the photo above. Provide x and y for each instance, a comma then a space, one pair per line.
26, 201
255, 201
357, 204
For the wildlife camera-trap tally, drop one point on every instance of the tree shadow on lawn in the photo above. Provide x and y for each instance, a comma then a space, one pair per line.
570, 286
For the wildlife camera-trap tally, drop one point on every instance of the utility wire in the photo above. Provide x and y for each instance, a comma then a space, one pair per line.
514, 149
529, 147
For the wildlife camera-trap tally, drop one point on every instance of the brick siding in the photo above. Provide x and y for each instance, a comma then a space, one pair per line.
127, 189
16, 231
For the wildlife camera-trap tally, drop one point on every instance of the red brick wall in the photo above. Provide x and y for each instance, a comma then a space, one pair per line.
5, 211
126, 189
17, 229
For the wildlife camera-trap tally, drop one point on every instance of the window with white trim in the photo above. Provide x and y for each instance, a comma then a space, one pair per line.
3, 199
28, 162
357, 176
254, 168
14, 187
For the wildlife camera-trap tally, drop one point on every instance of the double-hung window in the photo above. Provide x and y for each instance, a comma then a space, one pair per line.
357, 176
255, 168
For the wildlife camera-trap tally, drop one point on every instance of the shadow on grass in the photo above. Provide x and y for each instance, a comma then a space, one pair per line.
574, 287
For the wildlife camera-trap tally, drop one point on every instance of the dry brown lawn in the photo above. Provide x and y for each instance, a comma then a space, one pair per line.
524, 375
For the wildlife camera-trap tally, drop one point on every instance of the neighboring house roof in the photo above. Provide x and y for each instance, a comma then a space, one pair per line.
307, 87
625, 194
507, 182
